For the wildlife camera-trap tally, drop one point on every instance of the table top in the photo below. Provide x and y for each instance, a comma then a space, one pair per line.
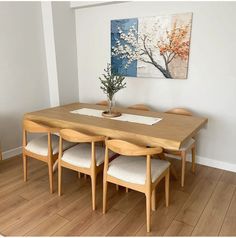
170, 133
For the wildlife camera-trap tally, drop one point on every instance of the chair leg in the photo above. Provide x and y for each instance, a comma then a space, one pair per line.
154, 199
183, 159
50, 173
193, 158
104, 196
79, 175
93, 181
117, 187
167, 188
126, 190
148, 211
59, 179
25, 167
85, 176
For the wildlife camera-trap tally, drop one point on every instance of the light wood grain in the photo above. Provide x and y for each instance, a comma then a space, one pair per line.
212, 218
49, 226
178, 229
169, 133
40, 214
196, 203
163, 217
105, 223
29, 208
229, 225
228, 177
127, 227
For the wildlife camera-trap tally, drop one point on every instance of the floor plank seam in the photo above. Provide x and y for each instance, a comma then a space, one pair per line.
59, 229
195, 187
177, 213
124, 219
118, 211
227, 210
44, 221
28, 200
175, 218
217, 182
62, 217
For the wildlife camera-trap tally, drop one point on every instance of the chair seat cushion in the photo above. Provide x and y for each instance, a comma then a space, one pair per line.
187, 144
133, 169
39, 145
80, 155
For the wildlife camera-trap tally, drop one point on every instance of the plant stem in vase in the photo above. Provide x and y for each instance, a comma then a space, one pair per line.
111, 104
110, 85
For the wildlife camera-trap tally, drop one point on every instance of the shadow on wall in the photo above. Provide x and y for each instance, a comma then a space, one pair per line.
10, 129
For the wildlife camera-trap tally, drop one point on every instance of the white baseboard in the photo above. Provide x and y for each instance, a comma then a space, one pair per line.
199, 160
211, 163
216, 163
11, 153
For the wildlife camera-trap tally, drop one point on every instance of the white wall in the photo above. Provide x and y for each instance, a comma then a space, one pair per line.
66, 55
210, 89
23, 74
50, 50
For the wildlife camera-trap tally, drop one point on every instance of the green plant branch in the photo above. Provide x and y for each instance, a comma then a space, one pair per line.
111, 84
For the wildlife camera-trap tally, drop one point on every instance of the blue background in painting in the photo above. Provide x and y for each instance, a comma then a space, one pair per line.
117, 64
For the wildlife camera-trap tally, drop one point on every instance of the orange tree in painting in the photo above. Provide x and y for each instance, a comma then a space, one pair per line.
175, 45
169, 45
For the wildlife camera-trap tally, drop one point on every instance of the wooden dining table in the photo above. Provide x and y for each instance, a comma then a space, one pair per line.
169, 133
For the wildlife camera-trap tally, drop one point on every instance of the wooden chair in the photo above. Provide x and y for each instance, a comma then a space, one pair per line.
137, 173
84, 157
140, 107
102, 103
0, 152
185, 148
44, 148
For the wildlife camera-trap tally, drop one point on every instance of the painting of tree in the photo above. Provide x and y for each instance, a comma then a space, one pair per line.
151, 46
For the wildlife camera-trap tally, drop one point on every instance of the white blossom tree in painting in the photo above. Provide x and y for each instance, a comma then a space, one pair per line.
155, 46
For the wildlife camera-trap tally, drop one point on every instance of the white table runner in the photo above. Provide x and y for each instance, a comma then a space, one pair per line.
124, 117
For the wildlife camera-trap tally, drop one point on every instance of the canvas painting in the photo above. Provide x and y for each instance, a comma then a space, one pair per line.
151, 46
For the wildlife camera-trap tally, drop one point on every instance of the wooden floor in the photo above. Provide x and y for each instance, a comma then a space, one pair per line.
206, 206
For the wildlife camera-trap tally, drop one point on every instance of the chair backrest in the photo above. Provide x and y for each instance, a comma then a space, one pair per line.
140, 107
102, 103
129, 149
79, 137
180, 111
35, 127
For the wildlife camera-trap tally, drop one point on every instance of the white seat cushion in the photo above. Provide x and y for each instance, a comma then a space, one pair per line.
39, 145
80, 155
133, 169
187, 144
